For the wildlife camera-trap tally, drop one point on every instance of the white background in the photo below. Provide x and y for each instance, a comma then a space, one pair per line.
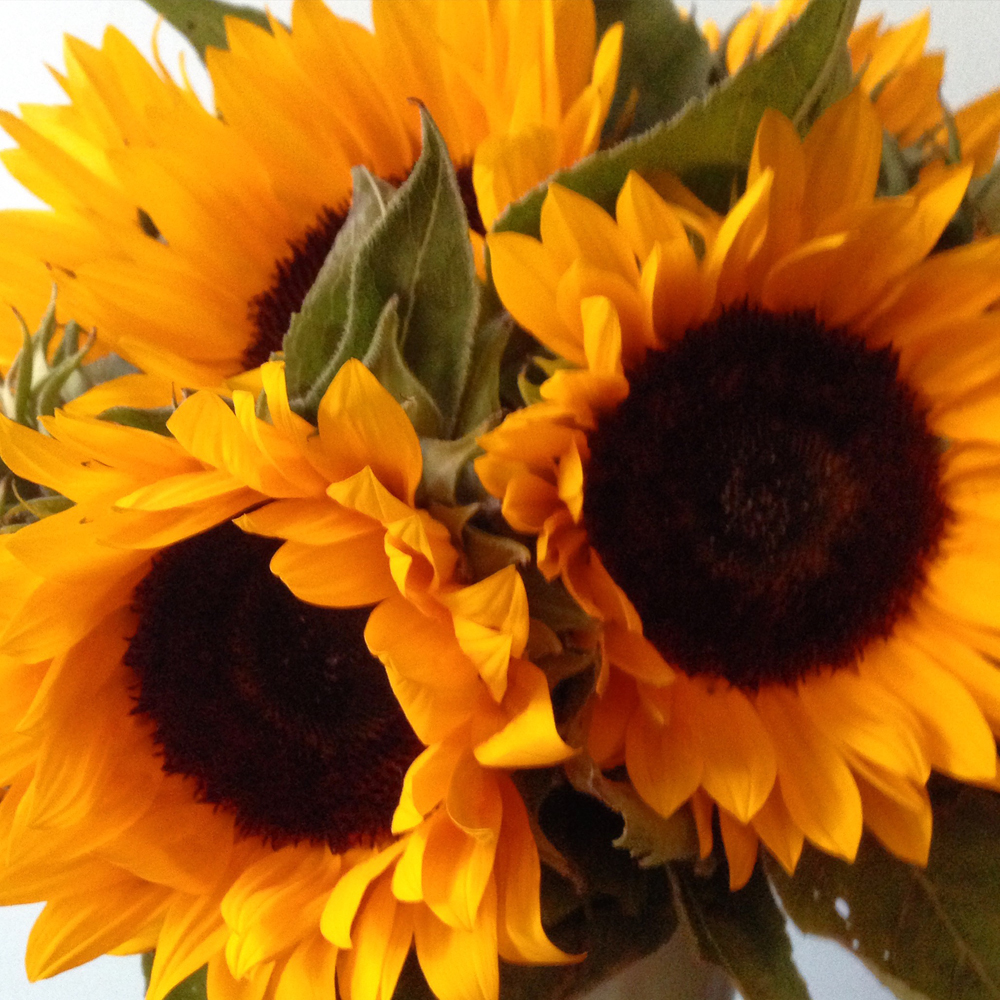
31, 37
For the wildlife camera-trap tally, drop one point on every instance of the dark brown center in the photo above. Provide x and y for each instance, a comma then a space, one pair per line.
274, 707
768, 497
271, 311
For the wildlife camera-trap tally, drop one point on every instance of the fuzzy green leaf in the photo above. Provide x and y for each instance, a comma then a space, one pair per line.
448, 476
710, 143
202, 22
409, 246
743, 932
420, 252
480, 404
932, 931
665, 60
384, 360
314, 346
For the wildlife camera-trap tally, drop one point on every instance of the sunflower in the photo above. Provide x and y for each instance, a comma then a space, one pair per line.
204, 232
903, 80
206, 761
770, 468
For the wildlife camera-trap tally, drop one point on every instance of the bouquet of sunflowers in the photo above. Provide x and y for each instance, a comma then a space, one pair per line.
497, 492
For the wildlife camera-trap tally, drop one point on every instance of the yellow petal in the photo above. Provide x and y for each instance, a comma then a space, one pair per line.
460, 964
79, 926
835, 183
957, 739
365, 493
576, 229
193, 931
739, 761
520, 935
461, 845
741, 849
866, 718
530, 738
816, 784
636, 655
315, 522
602, 336
527, 278
210, 431
645, 218
407, 878
41, 459
347, 574
310, 971
360, 424
905, 832
491, 624
778, 831
663, 761
345, 899
375, 926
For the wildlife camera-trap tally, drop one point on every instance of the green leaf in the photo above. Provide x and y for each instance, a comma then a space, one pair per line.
486, 553
710, 143
96, 372
69, 343
984, 194
420, 252
202, 22
23, 373
23, 503
313, 347
743, 932
613, 910
50, 391
665, 60
195, 987
480, 405
933, 930
384, 360
154, 420
448, 476
411, 247
650, 838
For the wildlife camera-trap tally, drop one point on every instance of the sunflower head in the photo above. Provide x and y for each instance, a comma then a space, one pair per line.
302, 709
748, 470
188, 239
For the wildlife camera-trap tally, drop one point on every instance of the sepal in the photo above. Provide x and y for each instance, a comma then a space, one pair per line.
651, 839
399, 291
203, 22
47, 372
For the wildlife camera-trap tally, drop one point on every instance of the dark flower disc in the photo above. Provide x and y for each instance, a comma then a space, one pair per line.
271, 311
274, 707
767, 496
